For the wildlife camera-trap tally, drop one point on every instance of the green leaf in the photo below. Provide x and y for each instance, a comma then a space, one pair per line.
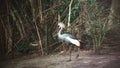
91, 2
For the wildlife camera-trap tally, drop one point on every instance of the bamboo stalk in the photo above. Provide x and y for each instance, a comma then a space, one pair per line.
34, 21
39, 37
40, 12
69, 15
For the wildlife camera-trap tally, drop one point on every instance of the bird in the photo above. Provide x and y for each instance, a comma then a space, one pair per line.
68, 38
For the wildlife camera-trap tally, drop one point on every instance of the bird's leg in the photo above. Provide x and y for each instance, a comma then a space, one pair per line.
70, 51
64, 50
78, 52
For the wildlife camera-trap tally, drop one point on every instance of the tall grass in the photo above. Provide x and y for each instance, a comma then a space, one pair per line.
29, 18
97, 24
36, 20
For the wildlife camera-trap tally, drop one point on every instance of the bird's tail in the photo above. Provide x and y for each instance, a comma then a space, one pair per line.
82, 44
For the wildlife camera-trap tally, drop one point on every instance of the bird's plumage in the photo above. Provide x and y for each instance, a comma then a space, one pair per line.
68, 38
69, 35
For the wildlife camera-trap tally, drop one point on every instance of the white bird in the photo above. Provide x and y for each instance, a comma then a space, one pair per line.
68, 38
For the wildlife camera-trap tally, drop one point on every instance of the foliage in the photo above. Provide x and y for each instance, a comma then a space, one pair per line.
96, 30
36, 20
91, 2
97, 25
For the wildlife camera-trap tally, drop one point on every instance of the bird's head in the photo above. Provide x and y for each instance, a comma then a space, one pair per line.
61, 25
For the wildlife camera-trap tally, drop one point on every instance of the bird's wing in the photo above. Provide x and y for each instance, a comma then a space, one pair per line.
70, 36
73, 41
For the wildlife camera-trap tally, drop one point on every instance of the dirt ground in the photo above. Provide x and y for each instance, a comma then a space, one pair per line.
109, 59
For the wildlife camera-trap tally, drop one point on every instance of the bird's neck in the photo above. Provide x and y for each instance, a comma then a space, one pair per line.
60, 32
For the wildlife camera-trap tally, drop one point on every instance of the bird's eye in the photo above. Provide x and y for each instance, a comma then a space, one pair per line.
58, 26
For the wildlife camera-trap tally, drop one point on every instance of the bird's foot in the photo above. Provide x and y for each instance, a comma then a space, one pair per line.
69, 60
77, 56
